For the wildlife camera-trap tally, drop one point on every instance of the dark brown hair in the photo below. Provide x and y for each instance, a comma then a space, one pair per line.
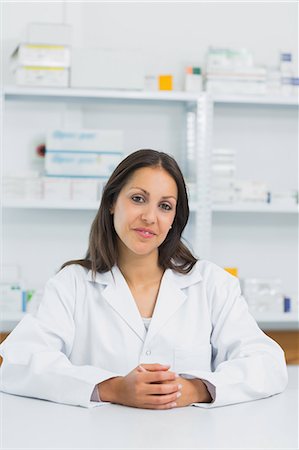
102, 253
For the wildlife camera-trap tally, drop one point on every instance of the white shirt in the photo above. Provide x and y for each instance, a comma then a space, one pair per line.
86, 331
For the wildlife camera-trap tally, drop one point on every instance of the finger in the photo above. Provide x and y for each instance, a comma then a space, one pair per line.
163, 389
155, 367
158, 377
159, 400
167, 406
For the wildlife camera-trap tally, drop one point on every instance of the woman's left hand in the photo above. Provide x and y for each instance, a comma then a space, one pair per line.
193, 391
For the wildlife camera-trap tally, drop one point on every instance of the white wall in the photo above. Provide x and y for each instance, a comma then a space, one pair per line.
171, 36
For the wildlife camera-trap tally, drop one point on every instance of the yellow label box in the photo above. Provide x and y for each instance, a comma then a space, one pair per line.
165, 82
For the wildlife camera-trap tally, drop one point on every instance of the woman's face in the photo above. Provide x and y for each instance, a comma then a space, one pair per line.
144, 211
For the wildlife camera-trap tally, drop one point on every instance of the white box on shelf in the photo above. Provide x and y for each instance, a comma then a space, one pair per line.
42, 76
107, 69
57, 189
86, 190
85, 139
83, 153
11, 297
41, 55
247, 190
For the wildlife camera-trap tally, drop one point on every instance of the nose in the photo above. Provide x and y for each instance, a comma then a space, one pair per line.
148, 215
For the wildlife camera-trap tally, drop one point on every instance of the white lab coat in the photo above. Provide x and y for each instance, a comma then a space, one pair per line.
87, 331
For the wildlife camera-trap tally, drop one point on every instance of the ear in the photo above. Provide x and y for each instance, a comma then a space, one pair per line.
111, 210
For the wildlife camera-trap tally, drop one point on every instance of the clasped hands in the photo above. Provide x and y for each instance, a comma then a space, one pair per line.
153, 386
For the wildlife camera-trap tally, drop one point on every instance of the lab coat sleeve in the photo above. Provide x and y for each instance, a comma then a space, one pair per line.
35, 354
247, 364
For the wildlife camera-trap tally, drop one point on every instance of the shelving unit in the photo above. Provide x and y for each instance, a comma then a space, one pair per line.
199, 108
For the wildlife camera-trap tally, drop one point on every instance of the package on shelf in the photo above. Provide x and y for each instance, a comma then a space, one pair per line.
11, 297
284, 198
41, 55
100, 68
223, 172
86, 153
57, 189
11, 292
252, 191
264, 294
42, 76
236, 87
86, 189
232, 71
24, 186
193, 79
221, 57
33, 300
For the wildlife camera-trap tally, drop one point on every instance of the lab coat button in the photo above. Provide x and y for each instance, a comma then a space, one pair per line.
148, 352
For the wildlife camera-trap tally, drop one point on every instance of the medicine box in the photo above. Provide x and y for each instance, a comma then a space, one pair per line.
107, 69
42, 76
57, 189
83, 153
11, 297
41, 55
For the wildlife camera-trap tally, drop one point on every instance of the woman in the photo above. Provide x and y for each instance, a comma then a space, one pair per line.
140, 321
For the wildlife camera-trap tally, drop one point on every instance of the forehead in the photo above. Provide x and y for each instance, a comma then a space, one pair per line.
152, 178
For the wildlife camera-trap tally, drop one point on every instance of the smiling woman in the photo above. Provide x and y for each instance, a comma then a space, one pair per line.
140, 321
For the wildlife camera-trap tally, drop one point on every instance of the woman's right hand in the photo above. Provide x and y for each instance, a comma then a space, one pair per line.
144, 387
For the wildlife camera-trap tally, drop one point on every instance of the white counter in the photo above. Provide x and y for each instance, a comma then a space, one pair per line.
270, 423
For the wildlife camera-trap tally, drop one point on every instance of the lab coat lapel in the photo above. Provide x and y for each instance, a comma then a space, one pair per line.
118, 295
170, 299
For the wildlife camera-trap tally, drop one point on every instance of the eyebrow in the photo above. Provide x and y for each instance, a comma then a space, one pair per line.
147, 193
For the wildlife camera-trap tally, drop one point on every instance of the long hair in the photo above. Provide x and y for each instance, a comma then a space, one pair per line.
102, 253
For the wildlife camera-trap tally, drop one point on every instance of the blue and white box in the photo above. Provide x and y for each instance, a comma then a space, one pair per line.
83, 153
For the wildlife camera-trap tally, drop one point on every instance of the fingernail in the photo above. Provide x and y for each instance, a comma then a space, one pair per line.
173, 404
177, 376
178, 394
180, 386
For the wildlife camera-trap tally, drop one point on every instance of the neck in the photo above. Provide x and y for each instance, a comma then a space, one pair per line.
140, 269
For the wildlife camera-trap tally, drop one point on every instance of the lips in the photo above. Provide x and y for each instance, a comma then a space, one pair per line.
145, 232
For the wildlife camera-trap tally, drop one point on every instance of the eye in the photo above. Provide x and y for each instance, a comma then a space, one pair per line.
166, 206
137, 198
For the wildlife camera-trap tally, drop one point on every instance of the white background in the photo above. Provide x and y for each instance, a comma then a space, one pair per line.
171, 36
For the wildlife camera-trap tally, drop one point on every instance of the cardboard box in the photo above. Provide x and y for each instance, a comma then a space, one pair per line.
107, 69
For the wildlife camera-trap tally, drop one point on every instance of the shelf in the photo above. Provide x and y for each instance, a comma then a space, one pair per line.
279, 100
68, 205
84, 205
18, 92
277, 321
46, 204
13, 92
256, 208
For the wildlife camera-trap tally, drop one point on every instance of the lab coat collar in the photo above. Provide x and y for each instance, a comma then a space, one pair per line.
170, 299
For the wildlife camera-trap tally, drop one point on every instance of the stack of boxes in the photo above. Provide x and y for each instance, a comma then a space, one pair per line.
223, 175
232, 71
78, 161
45, 59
